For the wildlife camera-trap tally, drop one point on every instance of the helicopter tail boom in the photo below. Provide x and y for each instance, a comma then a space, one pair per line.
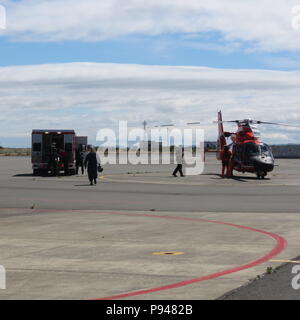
221, 138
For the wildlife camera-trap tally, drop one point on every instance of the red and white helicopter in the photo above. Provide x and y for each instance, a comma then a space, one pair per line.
249, 153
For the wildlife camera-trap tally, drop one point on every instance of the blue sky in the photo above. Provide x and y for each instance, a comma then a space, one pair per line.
121, 59
160, 50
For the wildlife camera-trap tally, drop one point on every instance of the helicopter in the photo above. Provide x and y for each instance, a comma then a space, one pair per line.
249, 153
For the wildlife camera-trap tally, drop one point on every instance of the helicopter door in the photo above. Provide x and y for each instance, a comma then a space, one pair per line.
246, 154
239, 153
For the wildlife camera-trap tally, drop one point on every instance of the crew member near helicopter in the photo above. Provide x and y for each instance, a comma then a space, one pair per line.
226, 161
179, 161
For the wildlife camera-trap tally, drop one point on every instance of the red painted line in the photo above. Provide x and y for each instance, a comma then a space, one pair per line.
281, 244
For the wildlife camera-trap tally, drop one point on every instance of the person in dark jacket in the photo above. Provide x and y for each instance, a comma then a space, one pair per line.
79, 161
91, 163
53, 162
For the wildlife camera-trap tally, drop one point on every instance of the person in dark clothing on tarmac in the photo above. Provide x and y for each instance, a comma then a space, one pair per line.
226, 159
91, 163
79, 161
53, 162
179, 161
65, 160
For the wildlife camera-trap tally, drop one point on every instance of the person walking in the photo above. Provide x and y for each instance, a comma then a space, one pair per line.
179, 161
91, 163
79, 161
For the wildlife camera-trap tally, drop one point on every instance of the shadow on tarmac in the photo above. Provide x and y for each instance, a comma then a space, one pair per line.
39, 176
236, 178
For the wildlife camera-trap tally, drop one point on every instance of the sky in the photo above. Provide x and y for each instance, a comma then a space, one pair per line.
86, 64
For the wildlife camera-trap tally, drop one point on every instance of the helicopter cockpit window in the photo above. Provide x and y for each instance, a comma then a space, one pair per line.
251, 149
265, 150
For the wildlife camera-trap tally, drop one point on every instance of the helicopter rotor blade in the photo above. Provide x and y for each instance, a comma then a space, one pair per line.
232, 121
193, 123
275, 124
164, 126
250, 121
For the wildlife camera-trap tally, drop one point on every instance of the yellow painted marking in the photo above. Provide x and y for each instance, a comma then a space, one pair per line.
286, 261
167, 253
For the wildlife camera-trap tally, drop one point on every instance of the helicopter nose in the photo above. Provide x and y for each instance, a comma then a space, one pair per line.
263, 164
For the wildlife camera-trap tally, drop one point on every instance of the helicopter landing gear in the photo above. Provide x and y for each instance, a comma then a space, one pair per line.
261, 175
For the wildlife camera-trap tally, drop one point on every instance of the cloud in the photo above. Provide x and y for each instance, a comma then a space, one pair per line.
90, 96
280, 137
264, 25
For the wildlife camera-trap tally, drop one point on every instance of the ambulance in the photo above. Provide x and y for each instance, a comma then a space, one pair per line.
48, 144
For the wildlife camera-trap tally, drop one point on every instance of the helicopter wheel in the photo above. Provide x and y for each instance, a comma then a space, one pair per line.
261, 175
265, 174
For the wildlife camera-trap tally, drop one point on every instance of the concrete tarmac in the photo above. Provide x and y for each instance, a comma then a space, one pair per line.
63, 239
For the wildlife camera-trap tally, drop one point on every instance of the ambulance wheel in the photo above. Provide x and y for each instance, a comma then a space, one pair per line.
36, 172
72, 172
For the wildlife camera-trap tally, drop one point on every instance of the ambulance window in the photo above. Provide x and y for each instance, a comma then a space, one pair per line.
68, 147
37, 147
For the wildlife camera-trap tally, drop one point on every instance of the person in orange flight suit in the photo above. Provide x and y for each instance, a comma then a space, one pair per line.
226, 162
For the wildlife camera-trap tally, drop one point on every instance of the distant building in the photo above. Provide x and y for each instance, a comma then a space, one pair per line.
286, 151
